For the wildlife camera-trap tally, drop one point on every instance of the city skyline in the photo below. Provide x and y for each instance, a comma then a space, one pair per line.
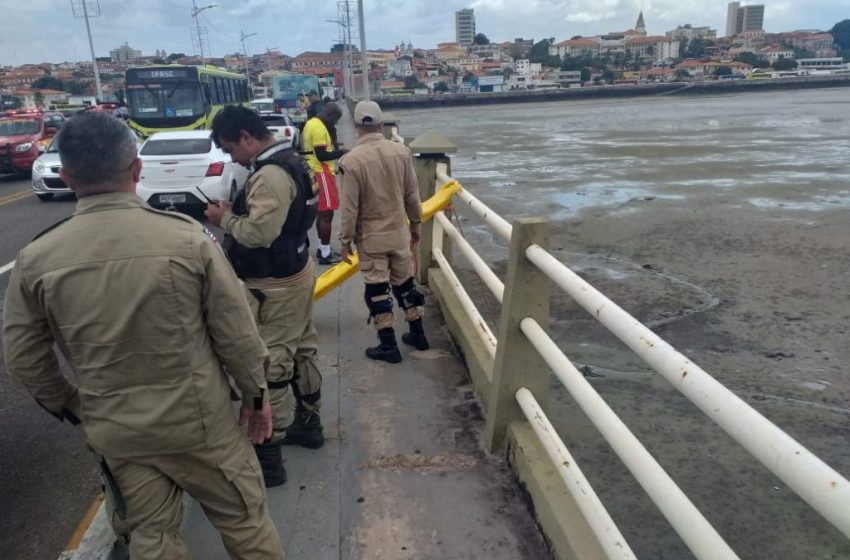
166, 23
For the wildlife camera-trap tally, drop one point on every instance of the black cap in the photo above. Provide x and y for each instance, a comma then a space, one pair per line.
312, 92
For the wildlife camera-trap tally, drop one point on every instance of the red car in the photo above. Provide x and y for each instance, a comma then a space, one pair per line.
24, 133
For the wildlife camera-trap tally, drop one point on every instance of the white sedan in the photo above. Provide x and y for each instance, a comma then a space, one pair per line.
282, 128
185, 171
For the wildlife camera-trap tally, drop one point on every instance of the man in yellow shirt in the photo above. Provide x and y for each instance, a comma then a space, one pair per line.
322, 155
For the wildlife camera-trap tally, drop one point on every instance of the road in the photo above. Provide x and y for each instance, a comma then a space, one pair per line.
47, 478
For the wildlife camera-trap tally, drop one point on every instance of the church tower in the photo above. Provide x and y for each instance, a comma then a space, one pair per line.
640, 27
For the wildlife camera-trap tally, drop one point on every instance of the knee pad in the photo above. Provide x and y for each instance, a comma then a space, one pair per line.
377, 298
408, 296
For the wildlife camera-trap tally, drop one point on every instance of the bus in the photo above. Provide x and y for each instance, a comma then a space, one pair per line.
286, 87
176, 97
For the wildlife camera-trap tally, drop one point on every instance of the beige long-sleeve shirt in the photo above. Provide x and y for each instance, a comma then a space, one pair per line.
146, 309
379, 195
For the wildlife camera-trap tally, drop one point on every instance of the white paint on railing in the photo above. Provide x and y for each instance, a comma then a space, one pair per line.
496, 286
813, 480
7, 267
688, 522
610, 539
502, 227
481, 328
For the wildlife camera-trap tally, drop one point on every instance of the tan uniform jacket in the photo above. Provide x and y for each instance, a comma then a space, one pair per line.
146, 309
379, 194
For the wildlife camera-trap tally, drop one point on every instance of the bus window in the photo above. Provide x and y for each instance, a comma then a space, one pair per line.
231, 91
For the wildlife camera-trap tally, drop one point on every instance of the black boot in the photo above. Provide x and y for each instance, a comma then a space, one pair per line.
271, 462
416, 336
305, 430
387, 350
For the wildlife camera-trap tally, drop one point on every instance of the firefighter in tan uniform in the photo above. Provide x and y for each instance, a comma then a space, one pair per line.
381, 212
148, 313
267, 228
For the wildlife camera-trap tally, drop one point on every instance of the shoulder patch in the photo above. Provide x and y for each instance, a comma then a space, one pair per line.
54, 226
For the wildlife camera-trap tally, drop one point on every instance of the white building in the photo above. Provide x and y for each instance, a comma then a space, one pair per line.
743, 19
774, 53
465, 26
654, 48
526, 67
125, 54
399, 67
689, 33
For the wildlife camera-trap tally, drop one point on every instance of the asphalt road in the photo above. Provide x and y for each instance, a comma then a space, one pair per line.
47, 477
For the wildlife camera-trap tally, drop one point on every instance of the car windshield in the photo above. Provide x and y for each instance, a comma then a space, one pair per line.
18, 127
176, 147
181, 99
263, 105
276, 120
54, 145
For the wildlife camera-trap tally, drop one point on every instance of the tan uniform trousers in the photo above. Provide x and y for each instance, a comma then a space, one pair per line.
227, 482
285, 321
394, 267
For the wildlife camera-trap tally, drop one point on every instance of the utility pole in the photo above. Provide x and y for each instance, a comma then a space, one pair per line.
363, 57
242, 37
195, 12
86, 9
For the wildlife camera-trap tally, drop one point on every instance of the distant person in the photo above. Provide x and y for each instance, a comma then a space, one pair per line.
302, 102
314, 104
381, 212
148, 313
322, 153
267, 227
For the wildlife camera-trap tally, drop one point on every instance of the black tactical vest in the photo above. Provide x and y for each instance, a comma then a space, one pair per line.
289, 252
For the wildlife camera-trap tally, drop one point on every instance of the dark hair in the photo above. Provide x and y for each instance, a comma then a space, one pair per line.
95, 147
232, 120
313, 92
331, 111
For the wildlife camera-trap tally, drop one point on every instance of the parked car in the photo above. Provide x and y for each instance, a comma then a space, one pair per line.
45, 173
282, 127
264, 106
185, 171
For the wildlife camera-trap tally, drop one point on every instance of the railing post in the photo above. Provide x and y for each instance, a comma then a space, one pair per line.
430, 149
390, 125
517, 363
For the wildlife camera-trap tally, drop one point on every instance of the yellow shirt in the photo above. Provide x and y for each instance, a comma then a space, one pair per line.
315, 136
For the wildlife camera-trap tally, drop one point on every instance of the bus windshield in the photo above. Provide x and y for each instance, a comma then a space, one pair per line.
165, 100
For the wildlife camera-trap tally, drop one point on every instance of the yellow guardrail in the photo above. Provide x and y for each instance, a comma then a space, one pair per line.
341, 272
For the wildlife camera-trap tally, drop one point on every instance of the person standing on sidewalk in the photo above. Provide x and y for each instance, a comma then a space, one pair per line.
322, 154
147, 311
381, 212
314, 104
266, 238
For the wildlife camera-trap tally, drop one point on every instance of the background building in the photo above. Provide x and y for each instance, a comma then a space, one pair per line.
741, 19
465, 26
125, 54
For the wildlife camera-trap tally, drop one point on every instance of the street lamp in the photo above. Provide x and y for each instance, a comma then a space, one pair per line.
86, 9
195, 11
242, 37
364, 59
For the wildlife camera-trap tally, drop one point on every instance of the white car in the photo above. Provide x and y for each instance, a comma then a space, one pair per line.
185, 171
45, 173
263, 106
282, 128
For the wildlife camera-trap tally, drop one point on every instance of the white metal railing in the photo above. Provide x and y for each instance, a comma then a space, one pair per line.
817, 483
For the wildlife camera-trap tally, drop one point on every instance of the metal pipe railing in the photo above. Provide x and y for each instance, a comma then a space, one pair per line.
502, 227
607, 534
496, 286
813, 480
484, 332
698, 534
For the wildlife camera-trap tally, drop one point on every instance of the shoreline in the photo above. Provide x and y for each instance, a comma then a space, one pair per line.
620, 91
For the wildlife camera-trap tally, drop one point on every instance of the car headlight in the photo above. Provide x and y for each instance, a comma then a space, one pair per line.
38, 167
25, 147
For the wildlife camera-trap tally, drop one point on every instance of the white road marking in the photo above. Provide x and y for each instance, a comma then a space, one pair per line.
7, 267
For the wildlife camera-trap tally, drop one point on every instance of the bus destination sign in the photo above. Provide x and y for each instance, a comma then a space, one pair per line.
162, 73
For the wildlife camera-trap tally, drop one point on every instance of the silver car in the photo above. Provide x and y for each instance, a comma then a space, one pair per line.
45, 173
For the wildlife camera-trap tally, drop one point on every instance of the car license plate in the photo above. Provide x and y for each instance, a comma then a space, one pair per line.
172, 198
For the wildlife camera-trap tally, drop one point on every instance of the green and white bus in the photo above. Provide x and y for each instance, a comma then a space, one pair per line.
175, 97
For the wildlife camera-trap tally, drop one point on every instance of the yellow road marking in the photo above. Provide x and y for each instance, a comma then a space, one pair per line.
81, 529
14, 197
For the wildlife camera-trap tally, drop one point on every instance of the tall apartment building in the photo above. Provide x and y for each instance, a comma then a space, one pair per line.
741, 19
465, 27
125, 53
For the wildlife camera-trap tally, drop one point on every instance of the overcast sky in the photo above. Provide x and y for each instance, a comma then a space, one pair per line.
45, 30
